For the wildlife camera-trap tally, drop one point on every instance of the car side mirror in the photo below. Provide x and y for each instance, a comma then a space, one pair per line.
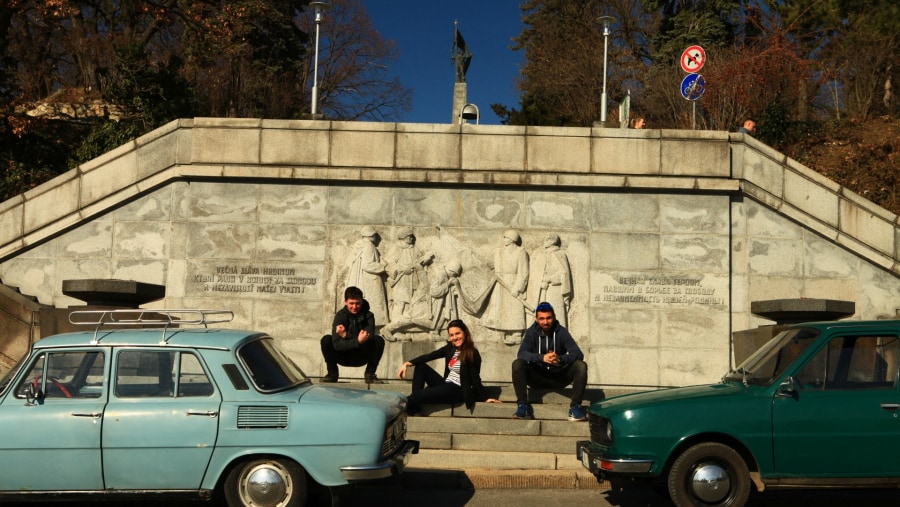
33, 393
788, 388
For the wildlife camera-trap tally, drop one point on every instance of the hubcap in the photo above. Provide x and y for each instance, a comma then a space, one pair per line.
266, 485
710, 482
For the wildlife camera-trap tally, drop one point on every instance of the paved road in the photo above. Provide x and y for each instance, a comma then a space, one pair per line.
600, 498
379, 496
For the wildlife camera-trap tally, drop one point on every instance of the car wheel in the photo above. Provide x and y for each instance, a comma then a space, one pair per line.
266, 483
709, 474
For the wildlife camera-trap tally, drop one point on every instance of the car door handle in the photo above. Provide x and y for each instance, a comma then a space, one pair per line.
890, 406
207, 413
92, 415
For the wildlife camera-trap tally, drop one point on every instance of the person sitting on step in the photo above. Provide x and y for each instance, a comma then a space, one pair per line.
461, 381
548, 357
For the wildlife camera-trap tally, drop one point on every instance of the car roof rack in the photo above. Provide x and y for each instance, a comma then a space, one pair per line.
151, 318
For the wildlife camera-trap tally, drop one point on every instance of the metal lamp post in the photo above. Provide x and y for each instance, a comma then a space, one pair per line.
320, 8
606, 20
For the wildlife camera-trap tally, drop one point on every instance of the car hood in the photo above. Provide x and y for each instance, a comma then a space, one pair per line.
680, 395
389, 402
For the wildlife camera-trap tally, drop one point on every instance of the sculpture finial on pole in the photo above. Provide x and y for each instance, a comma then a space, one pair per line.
460, 54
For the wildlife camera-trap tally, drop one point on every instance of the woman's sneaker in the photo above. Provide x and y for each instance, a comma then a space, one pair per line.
524, 412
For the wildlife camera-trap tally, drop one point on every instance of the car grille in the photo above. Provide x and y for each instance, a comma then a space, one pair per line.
262, 417
394, 435
598, 426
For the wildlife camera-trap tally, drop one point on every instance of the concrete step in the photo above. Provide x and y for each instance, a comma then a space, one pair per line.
502, 391
487, 448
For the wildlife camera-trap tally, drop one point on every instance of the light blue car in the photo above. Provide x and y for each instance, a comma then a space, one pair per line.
140, 403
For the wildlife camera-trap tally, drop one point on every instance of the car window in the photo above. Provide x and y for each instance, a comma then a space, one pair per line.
153, 373
772, 359
268, 367
853, 362
65, 375
11, 374
192, 379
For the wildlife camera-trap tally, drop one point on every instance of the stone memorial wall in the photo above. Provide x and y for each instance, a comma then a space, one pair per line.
651, 245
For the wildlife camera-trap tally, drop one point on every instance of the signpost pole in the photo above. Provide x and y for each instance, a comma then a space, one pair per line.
694, 115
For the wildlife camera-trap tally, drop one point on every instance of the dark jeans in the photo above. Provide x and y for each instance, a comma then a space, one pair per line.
368, 354
525, 374
438, 390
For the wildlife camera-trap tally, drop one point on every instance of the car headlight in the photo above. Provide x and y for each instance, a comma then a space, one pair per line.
601, 430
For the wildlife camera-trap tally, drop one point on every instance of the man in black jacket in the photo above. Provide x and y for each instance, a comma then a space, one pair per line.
353, 341
548, 357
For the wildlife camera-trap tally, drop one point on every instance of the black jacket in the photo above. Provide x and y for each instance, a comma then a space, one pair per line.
364, 320
469, 373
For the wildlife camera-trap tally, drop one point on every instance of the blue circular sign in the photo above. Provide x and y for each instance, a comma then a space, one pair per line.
693, 86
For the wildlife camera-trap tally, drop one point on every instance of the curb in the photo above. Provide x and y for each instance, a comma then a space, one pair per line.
414, 478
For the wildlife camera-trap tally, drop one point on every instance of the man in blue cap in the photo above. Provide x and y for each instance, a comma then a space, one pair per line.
548, 357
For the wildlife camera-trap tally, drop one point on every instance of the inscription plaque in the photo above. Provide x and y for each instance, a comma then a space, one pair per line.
253, 279
659, 289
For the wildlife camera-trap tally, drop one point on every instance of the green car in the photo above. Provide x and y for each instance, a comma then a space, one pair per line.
816, 406
145, 401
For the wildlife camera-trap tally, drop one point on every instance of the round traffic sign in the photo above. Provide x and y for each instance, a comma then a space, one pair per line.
692, 59
693, 86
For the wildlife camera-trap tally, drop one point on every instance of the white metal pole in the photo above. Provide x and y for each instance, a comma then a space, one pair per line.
315, 87
606, 20
603, 95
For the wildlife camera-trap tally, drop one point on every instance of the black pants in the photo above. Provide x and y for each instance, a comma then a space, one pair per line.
438, 390
368, 354
525, 374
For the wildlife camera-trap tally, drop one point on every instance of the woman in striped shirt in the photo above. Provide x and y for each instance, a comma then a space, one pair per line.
461, 381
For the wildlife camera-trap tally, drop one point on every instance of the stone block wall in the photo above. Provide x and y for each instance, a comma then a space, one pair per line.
668, 235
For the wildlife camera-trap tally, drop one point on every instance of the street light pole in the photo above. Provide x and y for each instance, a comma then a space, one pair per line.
606, 20
320, 8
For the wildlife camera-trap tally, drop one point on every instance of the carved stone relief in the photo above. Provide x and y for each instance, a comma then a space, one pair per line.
414, 292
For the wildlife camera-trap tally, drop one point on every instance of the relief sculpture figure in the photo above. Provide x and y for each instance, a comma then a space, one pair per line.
555, 287
506, 310
446, 299
367, 271
446, 296
410, 298
408, 279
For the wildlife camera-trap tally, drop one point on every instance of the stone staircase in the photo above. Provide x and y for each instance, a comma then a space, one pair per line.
489, 449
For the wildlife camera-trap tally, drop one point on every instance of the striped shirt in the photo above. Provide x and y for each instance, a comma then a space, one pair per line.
453, 377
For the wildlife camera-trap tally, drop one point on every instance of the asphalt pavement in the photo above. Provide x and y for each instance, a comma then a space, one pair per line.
369, 497
377, 496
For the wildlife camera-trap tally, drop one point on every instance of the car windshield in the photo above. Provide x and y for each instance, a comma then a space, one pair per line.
773, 358
9, 375
269, 368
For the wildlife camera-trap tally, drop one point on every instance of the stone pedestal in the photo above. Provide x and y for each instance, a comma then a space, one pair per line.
115, 293
99, 294
792, 311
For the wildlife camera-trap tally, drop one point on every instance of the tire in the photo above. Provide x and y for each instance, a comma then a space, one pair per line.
709, 474
266, 483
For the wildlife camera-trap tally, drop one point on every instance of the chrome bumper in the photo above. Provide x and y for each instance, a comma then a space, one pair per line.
387, 468
597, 463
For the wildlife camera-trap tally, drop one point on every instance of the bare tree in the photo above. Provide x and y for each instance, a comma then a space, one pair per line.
353, 66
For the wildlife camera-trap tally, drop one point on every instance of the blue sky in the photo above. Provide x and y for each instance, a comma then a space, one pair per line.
423, 32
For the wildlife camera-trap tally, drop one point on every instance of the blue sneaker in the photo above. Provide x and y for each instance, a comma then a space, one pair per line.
576, 413
524, 412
